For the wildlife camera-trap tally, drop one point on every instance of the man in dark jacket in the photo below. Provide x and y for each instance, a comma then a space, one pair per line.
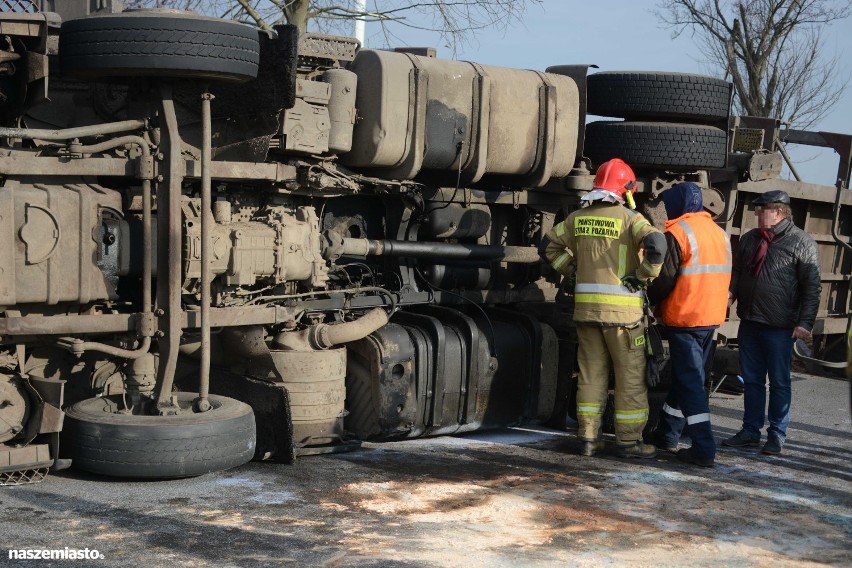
776, 284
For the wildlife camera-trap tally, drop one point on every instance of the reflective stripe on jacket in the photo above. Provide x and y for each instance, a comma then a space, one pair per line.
700, 294
600, 244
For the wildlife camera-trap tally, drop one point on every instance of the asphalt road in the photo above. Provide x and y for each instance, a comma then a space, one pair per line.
517, 497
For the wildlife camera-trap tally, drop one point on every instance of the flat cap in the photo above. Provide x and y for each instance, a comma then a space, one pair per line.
772, 197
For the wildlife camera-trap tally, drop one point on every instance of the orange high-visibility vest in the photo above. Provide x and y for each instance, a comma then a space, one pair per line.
700, 294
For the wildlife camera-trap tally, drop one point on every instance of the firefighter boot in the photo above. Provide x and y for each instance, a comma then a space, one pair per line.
636, 450
591, 448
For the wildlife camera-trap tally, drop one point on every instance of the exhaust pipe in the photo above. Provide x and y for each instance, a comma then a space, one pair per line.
326, 336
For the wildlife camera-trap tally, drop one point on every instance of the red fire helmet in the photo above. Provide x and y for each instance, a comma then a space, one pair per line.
615, 176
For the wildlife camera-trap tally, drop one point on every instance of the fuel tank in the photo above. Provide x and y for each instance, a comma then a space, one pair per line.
418, 115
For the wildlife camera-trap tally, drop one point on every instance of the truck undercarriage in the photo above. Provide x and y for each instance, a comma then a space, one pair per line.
222, 244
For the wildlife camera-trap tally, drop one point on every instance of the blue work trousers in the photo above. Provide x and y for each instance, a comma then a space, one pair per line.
766, 350
686, 404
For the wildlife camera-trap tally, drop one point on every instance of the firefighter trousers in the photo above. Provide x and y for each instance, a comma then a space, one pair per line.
625, 348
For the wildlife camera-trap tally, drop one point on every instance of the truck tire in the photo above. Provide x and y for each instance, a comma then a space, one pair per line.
148, 447
158, 43
683, 96
657, 144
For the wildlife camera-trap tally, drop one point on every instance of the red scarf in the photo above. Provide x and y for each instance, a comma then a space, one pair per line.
762, 248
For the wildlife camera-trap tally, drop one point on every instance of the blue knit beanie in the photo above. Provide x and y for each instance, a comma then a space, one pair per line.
682, 198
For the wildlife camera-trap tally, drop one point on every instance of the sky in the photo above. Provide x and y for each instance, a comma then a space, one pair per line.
621, 35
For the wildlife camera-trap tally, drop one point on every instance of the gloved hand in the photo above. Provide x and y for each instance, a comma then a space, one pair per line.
633, 284
652, 373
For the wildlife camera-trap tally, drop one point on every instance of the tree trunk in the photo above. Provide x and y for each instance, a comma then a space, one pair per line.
296, 13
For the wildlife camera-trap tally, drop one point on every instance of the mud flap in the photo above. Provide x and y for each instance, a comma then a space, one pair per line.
29, 464
33, 454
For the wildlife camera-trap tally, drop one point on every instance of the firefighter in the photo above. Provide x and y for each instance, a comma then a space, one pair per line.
691, 294
600, 246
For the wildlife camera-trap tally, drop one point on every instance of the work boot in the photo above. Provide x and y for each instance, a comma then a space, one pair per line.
685, 455
742, 440
661, 443
636, 450
591, 448
772, 446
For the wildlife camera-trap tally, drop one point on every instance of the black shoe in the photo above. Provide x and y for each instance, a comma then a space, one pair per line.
591, 448
772, 446
637, 450
685, 455
741, 440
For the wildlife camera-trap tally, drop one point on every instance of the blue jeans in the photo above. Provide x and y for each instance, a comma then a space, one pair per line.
765, 349
686, 403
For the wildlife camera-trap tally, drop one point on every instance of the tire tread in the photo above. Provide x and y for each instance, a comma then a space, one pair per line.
158, 46
656, 144
646, 95
178, 446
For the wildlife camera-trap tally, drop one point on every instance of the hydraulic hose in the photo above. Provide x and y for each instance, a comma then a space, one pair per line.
71, 133
78, 347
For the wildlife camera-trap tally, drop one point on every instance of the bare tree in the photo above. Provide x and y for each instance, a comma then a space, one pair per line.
456, 21
773, 50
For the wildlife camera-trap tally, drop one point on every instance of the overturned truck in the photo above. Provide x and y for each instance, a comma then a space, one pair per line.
223, 244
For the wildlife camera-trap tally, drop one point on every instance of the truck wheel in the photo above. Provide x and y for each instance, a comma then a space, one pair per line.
658, 95
158, 43
657, 144
99, 440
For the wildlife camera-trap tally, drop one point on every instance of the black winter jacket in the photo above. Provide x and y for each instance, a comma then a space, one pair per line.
786, 292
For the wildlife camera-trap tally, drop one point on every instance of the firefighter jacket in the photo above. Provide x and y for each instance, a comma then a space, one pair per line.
695, 290
600, 245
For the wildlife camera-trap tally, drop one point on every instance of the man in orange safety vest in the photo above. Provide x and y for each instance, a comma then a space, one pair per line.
691, 294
